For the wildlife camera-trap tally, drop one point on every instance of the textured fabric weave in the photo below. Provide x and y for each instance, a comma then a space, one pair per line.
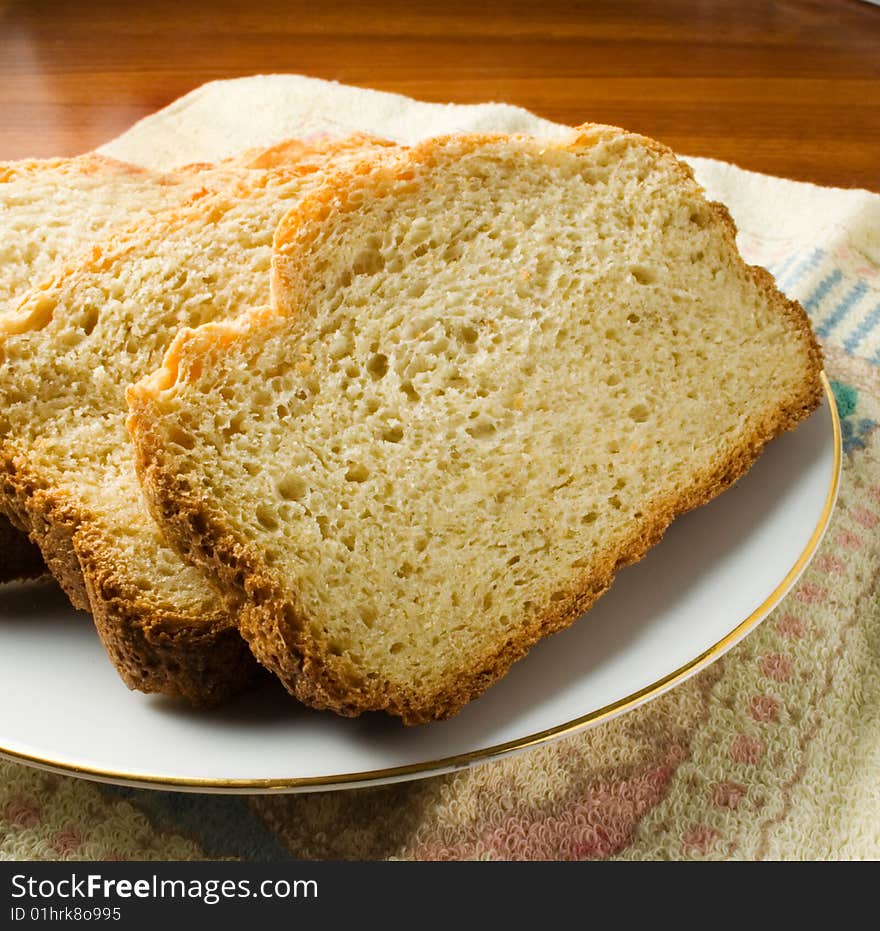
772, 752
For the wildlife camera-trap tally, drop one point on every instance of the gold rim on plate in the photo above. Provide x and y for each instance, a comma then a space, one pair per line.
484, 754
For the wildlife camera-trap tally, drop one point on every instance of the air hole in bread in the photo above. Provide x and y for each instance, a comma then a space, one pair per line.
357, 472
292, 487
639, 413
181, 438
482, 429
267, 518
408, 389
89, 320
393, 435
643, 274
378, 366
368, 262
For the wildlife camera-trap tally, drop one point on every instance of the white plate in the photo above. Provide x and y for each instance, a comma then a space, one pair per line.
717, 573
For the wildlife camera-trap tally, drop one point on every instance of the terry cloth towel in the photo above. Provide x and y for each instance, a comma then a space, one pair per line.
772, 752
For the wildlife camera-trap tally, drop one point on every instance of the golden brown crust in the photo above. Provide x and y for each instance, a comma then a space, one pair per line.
155, 649
200, 659
49, 520
291, 150
278, 632
22, 499
52, 526
89, 164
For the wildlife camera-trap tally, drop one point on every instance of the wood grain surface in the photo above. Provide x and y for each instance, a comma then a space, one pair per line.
789, 87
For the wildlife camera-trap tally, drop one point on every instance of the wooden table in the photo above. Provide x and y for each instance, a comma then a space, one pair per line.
791, 88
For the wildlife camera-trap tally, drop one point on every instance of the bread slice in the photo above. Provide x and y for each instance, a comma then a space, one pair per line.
496, 369
70, 348
49, 208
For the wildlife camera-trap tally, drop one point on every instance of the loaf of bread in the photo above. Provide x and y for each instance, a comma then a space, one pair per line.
70, 349
50, 209
494, 371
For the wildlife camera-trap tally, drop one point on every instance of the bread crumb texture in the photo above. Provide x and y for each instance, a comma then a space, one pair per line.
69, 349
50, 209
495, 371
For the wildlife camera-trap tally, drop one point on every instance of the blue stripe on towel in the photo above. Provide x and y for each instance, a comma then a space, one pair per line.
863, 329
823, 289
780, 270
811, 261
849, 300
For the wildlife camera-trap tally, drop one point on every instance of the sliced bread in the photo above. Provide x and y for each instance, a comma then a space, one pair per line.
49, 208
495, 370
69, 350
